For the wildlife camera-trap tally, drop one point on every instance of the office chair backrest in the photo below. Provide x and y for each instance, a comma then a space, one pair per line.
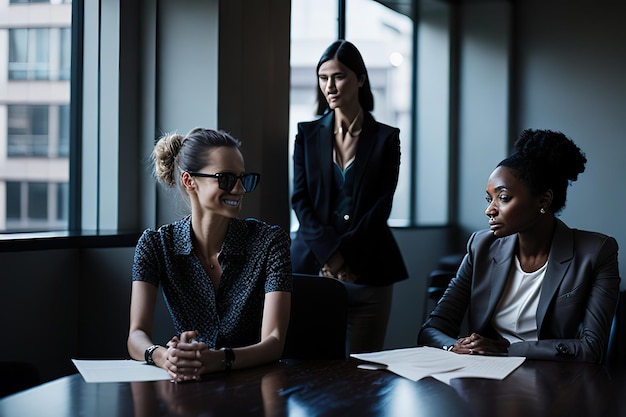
319, 319
437, 282
17, 376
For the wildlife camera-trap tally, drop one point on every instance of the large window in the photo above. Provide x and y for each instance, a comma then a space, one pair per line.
34, 115
37, 131
40, 1
39, 53
385, 39
36, 205
28, 131
29, 54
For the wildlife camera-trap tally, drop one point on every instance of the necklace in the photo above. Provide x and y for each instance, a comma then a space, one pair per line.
351, 128
207, 261
346, 142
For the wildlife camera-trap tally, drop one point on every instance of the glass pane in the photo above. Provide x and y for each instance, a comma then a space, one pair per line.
18, 54
27, 131
39, 53
64, 131
37, 200
29, 54
385, 39
314, 26
63, 199
13, 200
66, 54
34, 133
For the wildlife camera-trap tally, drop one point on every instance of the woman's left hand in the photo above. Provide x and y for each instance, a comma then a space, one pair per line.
344, 274
184, 355
476, 344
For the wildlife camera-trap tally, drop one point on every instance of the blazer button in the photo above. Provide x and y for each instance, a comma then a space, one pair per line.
562, 349
346, 217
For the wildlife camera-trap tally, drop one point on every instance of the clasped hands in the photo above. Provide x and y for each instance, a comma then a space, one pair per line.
188, 358
335, 267
476, 344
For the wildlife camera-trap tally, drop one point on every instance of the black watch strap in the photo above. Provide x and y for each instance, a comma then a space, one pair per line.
229, 358
148, 354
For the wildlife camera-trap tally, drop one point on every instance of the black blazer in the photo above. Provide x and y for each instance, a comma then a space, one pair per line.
576, 305
368, 245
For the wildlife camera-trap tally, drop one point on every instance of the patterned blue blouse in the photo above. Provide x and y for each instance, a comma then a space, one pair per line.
254, 258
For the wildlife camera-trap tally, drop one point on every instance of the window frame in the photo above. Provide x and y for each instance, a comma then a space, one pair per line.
76, 234
421, 188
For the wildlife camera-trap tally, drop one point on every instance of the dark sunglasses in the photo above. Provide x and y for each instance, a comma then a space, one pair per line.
227, 181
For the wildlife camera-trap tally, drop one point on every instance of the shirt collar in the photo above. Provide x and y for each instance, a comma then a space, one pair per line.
183, 244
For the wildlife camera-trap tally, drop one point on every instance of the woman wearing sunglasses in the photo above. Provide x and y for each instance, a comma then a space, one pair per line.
226, 281
345, 175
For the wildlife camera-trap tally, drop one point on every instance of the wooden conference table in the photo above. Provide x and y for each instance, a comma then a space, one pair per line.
334, 388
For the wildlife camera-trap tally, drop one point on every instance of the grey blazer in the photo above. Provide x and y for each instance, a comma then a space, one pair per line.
576, 305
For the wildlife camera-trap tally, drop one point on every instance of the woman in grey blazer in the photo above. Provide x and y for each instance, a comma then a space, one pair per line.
530, 285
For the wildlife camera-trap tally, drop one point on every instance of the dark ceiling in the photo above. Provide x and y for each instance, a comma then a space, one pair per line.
401, 6
406, 7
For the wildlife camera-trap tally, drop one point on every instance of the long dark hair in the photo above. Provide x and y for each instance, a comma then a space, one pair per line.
346, 53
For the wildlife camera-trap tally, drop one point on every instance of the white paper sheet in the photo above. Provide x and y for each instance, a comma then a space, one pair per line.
124, 370
492, 367
419, 362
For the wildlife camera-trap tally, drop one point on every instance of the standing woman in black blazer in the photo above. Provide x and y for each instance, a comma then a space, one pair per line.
345, 174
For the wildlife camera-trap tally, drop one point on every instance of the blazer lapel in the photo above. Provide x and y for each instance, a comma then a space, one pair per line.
325, 148
498, 276
365, 147
559, 260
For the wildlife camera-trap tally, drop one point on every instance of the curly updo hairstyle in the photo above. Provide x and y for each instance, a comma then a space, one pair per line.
174, 154
546, 160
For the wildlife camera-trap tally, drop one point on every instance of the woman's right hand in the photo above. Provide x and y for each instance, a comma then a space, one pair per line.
184, 356
333, 265
476, 344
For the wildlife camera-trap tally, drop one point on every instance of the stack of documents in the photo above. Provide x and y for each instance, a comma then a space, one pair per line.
420, 362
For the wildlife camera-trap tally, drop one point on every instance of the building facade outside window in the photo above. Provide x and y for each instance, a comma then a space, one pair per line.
34, 115
27, 131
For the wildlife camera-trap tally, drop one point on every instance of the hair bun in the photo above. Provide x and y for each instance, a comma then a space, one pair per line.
164, 157
553, 150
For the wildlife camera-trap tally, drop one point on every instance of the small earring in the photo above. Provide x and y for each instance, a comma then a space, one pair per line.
542, 210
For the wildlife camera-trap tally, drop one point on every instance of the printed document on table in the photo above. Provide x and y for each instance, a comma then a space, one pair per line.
419, 362
478, 366
124, 370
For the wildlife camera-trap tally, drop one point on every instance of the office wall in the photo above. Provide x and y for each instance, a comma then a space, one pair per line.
421, 248
39, 309
56, 305
247, 44
571, 63
484, 78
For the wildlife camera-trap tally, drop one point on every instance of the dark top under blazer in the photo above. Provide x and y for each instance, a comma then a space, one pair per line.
576, 306
368, 245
